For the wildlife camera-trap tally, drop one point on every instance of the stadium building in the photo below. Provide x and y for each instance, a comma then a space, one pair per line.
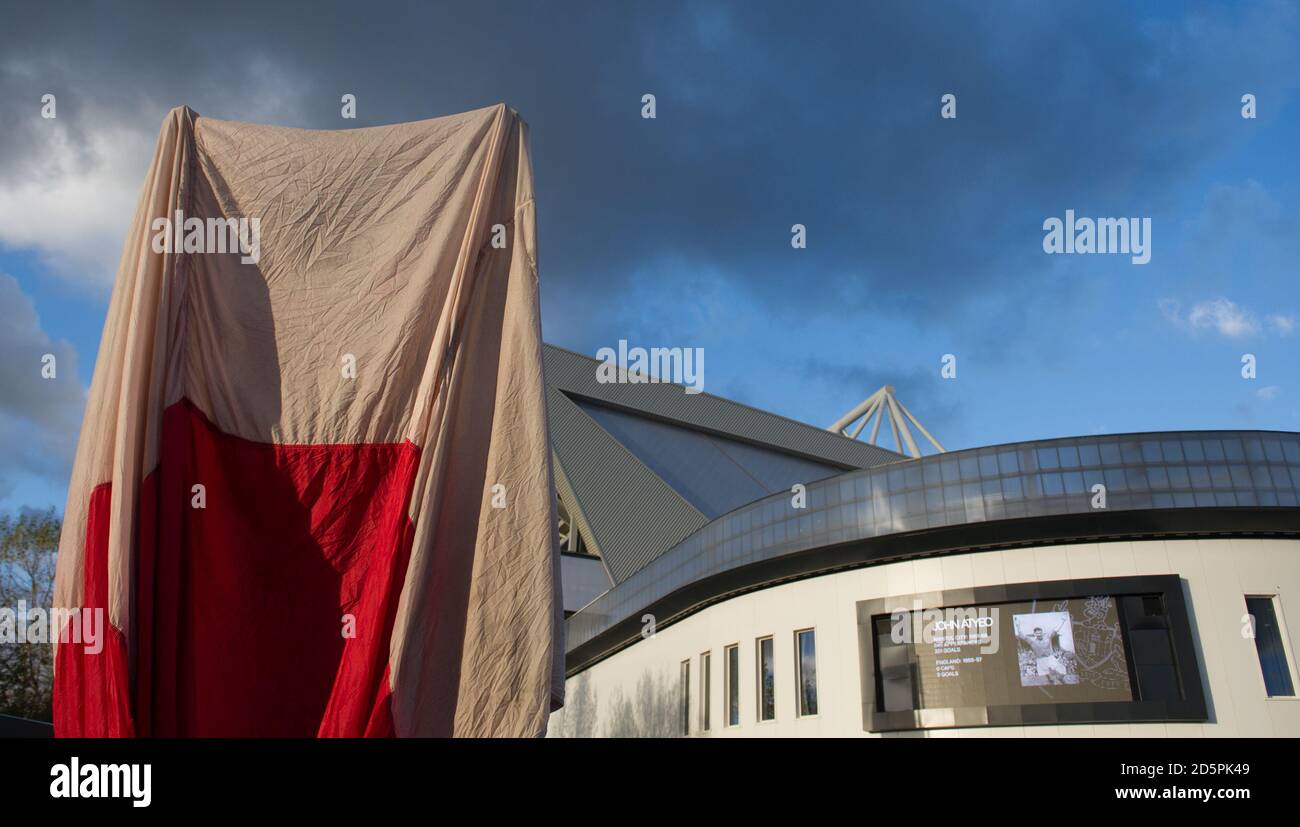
729, 572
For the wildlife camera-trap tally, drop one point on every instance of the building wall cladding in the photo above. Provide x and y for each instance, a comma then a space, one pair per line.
636, 690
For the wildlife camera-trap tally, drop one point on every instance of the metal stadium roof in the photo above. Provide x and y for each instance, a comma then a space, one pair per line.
643, 465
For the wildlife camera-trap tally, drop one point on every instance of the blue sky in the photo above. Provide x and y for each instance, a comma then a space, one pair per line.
924, 235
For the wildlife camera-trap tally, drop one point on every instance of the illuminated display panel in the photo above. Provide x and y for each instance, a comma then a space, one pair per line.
1069, 651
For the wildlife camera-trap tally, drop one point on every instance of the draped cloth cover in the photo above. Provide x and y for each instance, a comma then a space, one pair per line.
312, 493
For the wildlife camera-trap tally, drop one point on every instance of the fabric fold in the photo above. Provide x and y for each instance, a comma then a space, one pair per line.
312, 493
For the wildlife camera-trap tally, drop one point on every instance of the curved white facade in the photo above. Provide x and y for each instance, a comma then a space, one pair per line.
637, 691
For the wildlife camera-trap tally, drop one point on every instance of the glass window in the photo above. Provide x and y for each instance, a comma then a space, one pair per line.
951, 474
934, 499
1200, 476
1089, 455
912, 477
1132, 453
1137, 481
1232, 449
1271, 646
1091, 478
1240, 476
931, 474
1173, 450
915, 503
1213, 450
766, 680
732, 683
1008, 462
992, 491
1115, 479
1073, 482
1291, 450
895, 479
1151, 451
988, 465
952, 496
898, 505
1254, 450
706, 677
805, 647
684, 719
1261, 476
1280, 477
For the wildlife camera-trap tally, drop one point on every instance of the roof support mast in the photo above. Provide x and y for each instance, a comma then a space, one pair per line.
881, 405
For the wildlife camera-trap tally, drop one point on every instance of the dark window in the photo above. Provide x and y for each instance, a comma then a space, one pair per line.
1151, 648
685, 722
806, 667
706, 677
1269, 644
732, 681
895, 672
766, 680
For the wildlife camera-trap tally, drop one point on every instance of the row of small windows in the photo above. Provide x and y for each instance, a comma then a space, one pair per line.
973, 481
1152, 478
983, 466
1146, 452
1270, 643
805, 660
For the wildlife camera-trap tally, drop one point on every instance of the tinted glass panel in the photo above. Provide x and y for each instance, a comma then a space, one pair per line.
706, 678
766, 681
1268, 642
684, 717
806, 644
733, 686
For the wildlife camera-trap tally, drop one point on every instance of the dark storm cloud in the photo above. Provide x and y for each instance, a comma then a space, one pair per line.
768, 115
38, 412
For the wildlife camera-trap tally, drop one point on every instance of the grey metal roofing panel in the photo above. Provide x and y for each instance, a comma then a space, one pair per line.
630, 515
714, 473
576, 374
565, 492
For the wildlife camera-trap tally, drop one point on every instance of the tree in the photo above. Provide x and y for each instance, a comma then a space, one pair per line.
28, 546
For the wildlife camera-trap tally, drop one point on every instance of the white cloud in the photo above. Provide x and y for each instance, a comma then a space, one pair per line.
1268, 392
75, 204
1225, 317
1282, 325
69, 185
